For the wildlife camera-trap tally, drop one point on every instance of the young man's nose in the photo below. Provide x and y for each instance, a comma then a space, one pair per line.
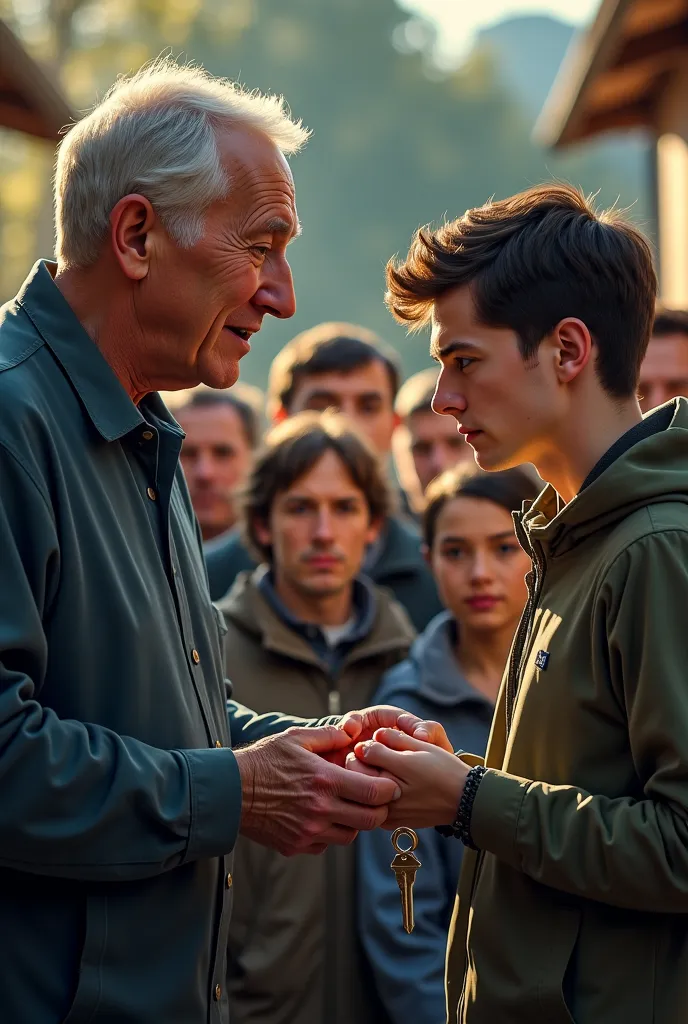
446, 401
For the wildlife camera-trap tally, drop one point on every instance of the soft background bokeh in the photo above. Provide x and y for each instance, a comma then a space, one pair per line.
418, 111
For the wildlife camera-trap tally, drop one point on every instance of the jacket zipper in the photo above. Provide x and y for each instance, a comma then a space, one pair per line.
534, 581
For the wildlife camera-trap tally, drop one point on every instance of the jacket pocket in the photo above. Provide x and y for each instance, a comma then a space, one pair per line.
89, 987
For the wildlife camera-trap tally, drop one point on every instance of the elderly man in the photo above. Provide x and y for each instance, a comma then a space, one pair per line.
121, 797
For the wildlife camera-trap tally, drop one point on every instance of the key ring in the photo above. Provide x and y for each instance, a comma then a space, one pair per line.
409, 834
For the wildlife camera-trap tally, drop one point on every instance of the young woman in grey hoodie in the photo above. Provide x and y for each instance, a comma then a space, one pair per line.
452, 676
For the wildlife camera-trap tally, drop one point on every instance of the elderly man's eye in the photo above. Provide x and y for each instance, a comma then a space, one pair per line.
261, 250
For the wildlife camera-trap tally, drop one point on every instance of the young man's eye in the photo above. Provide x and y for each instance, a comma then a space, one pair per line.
508, 548
463, 362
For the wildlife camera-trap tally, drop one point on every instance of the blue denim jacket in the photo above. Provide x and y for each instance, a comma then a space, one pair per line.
409, 969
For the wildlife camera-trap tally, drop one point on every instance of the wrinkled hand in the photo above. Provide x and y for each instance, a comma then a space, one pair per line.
296, 801
431, 778
362, 725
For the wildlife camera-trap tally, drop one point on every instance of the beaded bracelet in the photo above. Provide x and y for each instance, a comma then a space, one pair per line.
461, 826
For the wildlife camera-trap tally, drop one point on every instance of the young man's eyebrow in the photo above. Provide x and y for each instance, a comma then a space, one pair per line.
450, 348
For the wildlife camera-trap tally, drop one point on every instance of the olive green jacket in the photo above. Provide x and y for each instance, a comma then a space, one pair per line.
577, 907
294, 949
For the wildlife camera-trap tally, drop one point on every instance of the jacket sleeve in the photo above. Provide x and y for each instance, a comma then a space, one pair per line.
246, 726
78, 800
625, 851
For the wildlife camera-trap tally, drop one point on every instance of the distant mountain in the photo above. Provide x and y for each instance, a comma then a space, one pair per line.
528, 52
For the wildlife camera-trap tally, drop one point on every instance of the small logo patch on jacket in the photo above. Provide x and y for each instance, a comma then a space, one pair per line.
542, 660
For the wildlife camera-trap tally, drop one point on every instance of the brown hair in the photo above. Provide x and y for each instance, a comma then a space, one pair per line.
244, 402
292, 449
669, 321
327, 348
532, 260
508, 488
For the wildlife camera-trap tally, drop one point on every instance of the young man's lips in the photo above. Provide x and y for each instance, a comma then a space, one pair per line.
323, 561
468, 433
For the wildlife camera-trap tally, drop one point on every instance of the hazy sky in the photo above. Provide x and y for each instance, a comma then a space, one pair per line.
459, 20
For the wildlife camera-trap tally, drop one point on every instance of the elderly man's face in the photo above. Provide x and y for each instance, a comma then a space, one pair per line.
204, 303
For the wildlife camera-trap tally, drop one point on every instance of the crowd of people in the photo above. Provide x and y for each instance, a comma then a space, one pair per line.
238, 641
359, 556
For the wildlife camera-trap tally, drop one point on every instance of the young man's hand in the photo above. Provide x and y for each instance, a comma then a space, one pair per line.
431, 778
362, 725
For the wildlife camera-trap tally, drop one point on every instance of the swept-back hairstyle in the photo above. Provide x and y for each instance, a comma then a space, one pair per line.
508, 488
531, 261
291, 450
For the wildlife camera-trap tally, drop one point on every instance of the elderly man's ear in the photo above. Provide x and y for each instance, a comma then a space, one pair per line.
131, 223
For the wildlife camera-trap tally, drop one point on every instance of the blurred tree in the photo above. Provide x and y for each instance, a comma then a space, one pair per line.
395, 143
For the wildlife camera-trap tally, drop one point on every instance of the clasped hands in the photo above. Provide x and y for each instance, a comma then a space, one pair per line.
307, 788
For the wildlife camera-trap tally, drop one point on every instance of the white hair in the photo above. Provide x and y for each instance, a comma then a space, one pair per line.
154, 133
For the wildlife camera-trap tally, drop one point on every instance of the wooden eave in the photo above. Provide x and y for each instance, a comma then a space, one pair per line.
29, 102
615, 72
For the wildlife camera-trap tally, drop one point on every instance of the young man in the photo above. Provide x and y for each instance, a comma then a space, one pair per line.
664, 373
347, 368
424, 444
305, 630
223, 429
573, 895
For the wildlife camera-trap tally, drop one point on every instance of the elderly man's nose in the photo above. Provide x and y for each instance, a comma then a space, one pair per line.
276, 294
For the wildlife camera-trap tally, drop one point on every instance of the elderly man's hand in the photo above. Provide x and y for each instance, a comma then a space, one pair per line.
362, 725
431, 779
296, 800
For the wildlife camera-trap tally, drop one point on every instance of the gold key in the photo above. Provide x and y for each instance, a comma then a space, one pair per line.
404, 866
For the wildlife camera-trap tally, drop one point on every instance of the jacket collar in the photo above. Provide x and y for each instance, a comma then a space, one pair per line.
107, 404
250, 609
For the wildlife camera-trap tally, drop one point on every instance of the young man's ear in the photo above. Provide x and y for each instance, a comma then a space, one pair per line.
279, 415
131, 222
573, 348
425, 552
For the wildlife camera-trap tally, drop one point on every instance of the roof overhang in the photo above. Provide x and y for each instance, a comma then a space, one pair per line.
615, 72
29, 102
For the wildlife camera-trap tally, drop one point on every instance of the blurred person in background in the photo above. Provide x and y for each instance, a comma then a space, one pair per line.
664, 372
344, 367
223, 429
424, 444
451, 676
308, 633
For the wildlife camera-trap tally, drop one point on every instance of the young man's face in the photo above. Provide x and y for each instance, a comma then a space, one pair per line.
504, 406
216, 457
363, 394
664, 373
318, 530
